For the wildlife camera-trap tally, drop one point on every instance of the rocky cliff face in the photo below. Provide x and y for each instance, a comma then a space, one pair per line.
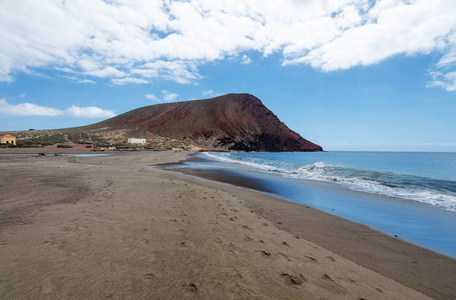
232, 122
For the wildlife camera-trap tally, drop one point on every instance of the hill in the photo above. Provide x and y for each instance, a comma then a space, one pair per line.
231, 122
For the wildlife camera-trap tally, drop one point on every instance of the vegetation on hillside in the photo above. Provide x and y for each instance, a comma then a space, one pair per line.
41, 138
101, 137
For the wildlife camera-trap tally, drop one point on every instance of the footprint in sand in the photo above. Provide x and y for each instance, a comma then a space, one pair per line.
328, 282
310, 258
246, 227
292, 279
327, 277
191, 287
150, 276
265, 253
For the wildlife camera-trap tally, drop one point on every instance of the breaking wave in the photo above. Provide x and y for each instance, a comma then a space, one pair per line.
436, 192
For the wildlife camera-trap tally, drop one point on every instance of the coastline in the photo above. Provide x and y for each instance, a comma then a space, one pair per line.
407, 263
112, 226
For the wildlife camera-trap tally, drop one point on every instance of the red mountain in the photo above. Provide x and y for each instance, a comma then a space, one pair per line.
232, 122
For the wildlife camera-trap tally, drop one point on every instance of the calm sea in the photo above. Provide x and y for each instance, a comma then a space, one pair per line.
408, 194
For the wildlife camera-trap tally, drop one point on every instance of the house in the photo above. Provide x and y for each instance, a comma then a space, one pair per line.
137, 141
8, 139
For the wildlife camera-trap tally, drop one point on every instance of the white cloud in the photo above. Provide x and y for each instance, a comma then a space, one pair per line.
79, 80
30, 109
246, 60
169, 97
126, 80
26, 109
86, 81
209, 93
397, 28
151, 97
444, 80
88, 112
179, 71
106, 72
138, 41
166, 97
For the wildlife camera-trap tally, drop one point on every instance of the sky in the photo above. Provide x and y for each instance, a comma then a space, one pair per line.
345, 74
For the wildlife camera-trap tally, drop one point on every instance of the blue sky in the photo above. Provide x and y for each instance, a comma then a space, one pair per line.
346, 74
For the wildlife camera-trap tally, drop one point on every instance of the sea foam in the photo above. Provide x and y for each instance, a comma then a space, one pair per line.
437, 192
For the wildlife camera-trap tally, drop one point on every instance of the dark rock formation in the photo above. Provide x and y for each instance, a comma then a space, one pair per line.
232, 122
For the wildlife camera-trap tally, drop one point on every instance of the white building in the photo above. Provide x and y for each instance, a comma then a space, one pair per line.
136, 141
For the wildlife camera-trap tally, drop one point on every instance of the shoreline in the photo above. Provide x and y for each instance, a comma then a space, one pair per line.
405, 262
416, 223
113, 226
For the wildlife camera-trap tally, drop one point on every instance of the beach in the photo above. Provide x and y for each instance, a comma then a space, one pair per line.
113, 227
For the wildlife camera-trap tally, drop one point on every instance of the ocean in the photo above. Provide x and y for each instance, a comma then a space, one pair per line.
410, 195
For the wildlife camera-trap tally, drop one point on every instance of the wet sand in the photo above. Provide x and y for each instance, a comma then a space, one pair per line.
112, 227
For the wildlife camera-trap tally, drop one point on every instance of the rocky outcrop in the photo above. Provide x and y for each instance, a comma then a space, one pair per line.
232, 122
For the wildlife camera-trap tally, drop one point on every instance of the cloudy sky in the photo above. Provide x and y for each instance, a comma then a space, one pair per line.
346, 74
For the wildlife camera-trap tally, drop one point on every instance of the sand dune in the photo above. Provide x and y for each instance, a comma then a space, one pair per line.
112, 227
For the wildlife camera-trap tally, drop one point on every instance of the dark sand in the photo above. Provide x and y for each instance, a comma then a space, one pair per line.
77, 149
112, 227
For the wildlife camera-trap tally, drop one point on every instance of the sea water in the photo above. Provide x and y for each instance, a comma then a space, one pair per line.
406, 194
429, 178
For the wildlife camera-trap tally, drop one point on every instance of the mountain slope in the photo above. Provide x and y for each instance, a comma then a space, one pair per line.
232, 122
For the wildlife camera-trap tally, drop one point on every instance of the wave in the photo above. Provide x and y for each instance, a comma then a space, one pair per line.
436, 192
